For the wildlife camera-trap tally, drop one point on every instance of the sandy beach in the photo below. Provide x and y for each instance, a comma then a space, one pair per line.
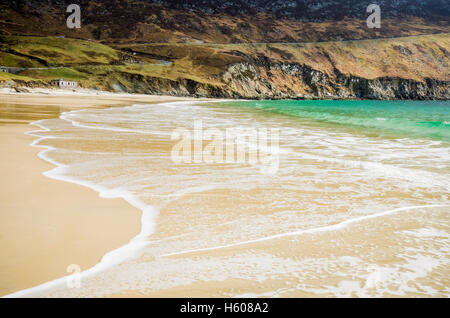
351, 211
47, 224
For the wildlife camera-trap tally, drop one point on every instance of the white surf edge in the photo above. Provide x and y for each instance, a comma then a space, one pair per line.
64, 115
114, 257
334, 227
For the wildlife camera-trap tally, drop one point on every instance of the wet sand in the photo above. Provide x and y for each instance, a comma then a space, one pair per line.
47, 224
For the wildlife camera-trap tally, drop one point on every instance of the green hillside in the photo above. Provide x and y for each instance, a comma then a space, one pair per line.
53, 51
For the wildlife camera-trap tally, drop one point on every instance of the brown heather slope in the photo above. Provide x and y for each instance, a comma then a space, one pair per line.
417, 57
214, 21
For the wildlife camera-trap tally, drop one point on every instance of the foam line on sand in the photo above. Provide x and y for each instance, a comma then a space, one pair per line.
333, 227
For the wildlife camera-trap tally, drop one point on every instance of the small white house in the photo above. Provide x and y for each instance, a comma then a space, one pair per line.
61, 83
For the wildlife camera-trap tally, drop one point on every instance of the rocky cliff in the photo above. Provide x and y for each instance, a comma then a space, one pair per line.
300, 81
248, 81
405, 68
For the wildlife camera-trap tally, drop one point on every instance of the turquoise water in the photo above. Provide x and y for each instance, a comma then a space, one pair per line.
419, 119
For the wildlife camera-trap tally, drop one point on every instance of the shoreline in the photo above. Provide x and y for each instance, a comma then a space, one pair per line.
85, 92
86, 246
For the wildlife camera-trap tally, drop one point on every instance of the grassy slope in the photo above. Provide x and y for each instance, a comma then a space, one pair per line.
8, 59
415, 57
410, 58
56, 51
94, 64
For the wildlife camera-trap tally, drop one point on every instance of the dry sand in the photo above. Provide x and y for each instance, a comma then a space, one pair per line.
45, 224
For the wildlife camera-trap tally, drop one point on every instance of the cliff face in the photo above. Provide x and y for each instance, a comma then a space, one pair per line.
244, 80
300, 81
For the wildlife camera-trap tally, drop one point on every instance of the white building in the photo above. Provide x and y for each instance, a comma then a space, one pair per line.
61, 83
